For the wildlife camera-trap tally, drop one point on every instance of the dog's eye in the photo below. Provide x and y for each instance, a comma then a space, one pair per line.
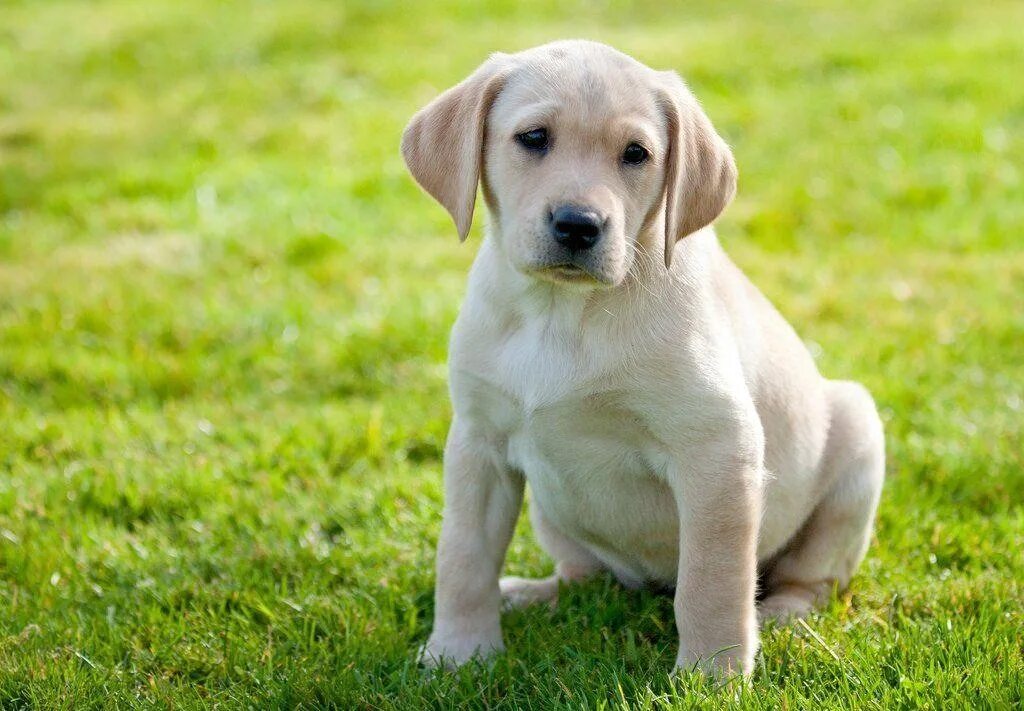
635, 154
535, 139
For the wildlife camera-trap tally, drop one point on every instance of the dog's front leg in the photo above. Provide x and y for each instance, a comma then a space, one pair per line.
482, 502
719, 504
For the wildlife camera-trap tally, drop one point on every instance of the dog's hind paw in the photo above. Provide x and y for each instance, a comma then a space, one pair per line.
522, 592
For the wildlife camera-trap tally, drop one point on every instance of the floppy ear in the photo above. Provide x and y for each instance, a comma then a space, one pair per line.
443, 143
700, 175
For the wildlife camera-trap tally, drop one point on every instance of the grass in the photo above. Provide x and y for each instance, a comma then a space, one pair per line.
224, 309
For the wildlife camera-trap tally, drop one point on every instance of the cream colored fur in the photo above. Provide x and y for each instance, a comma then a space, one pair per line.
670, 424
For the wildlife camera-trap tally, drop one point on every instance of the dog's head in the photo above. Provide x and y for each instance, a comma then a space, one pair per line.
590, 161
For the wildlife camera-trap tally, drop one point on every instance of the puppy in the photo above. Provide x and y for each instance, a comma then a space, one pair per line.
671, 426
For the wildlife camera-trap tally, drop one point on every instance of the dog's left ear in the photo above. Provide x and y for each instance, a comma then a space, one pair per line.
700, 174
443, 143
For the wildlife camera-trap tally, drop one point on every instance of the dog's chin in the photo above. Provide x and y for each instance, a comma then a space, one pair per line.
571, 275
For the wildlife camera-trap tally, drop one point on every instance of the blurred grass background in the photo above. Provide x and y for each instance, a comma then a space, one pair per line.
224, 309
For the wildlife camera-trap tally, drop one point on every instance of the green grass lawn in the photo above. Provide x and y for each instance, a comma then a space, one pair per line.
224, 309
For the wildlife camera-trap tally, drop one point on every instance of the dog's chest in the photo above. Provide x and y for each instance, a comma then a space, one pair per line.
581, 438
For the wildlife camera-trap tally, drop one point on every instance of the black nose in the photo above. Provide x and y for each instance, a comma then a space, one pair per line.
576, 228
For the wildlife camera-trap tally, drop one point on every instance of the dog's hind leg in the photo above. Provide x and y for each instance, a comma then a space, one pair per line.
573, 562
828, 548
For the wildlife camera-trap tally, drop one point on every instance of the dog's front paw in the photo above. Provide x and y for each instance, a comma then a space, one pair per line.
452, 651
721, 666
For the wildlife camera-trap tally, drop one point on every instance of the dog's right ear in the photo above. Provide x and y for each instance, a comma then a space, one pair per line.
443, 143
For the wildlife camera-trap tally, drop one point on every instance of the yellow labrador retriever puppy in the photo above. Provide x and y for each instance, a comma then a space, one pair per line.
671, 425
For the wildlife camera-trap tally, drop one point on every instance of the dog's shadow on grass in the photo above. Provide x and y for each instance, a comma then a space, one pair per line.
597, 618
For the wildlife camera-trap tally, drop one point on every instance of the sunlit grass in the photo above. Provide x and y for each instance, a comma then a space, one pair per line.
224, 311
